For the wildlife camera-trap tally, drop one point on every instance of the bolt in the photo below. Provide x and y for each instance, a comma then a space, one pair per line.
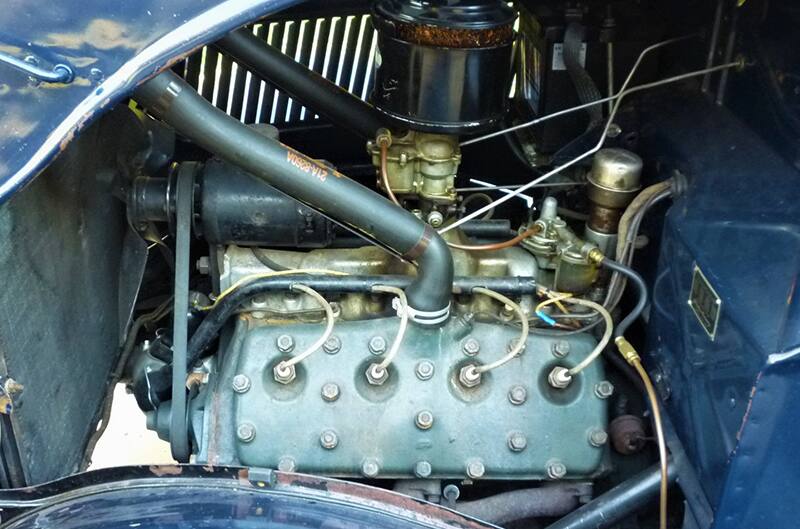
471, 347
435, 219
377, 375
604, 389
512, 344
284, 374
370, 468
451, 492
287, 464
96, 74
469, 376
377, 345
598, 437
560, 348
246, 432
517, 442
203, 265
241, 383
422, 469
328, 439
475, 469
556, 470
425, 370
332, 345
517, 395
330, 392
559, 377
285, 343
424, 420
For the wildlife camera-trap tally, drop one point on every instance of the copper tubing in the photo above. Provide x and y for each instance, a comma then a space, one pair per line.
385, 172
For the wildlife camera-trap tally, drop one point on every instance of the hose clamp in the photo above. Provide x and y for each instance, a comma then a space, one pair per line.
429, 318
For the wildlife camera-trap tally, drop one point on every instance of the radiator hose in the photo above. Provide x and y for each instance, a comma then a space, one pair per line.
171, 99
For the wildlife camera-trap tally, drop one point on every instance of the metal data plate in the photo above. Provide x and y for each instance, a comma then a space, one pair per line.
377, 423
705, 303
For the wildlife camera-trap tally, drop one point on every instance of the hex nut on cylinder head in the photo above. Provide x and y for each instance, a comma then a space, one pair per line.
370, 468
517, 395
330, 392
423, 469
556, 470
598, 437
241, 383
517, 442
287, 464
560, 348
471, 347
425, 370
377, 375
285, 343
328, 439
469, 377
332, 345
475, 469
284, 374
377, 345
603, 389
424, 420
246, 432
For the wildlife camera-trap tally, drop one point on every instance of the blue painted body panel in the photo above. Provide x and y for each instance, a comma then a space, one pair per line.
112, 46
732, 399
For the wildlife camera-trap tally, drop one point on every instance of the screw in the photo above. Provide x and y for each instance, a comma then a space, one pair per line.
517, 442
241, 383
469, 376
598, 437
332, 345
370, 468
425, 370
284, 374
475, 469
560, 348
330, 392
471, 347
604, 389
377, 375
559, 377
422, 469
424, 420
556, 470
246, 432
451, 492
287, 464
285, 343
517, 395
377, 345
328, 439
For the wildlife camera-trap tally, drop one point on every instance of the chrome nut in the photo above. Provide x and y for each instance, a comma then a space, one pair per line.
469, 376
241, 383
377, 375
284, 374
424, 420
330, 392
377, 345
517, 395
328, 439
285, 343
559, 377
604, 389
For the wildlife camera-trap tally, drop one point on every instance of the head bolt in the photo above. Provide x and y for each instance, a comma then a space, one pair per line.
284, 374
556, 470
241, 383
246, 432
475, 469
287, 464
560, 348
424, 420
512, 343
517, 395
330, 392
370, 468
285, 343
598, 437
471, 347
423, 469
425, 370
559, 377
328, 439
332, 345
604, 389
469, 376
377, 345
377, 375
517, 442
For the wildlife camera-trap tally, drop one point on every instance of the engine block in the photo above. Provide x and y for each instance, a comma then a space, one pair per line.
421, 422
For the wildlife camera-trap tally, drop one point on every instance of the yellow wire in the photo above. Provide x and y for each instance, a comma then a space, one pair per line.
555, 298
253, 277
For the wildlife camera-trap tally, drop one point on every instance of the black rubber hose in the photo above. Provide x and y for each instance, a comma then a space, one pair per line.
305, 85
641, 291
170, 98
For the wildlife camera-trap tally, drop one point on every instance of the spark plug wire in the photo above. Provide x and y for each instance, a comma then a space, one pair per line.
285, 365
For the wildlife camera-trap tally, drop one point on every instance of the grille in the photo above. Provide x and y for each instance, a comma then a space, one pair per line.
341, 48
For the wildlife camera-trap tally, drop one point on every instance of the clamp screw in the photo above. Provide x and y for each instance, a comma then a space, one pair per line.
328, 439
424, 420
517, 395
241, 383
423, 469
556, 470
377, 345
425, 370
330, 392
285, 343
332, 345
475, 469
246, 432
517, 442
604, 389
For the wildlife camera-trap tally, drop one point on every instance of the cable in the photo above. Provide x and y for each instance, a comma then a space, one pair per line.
267, 261
523, 336
285, 365
497, 245
384, 143
641, 290
378, 370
